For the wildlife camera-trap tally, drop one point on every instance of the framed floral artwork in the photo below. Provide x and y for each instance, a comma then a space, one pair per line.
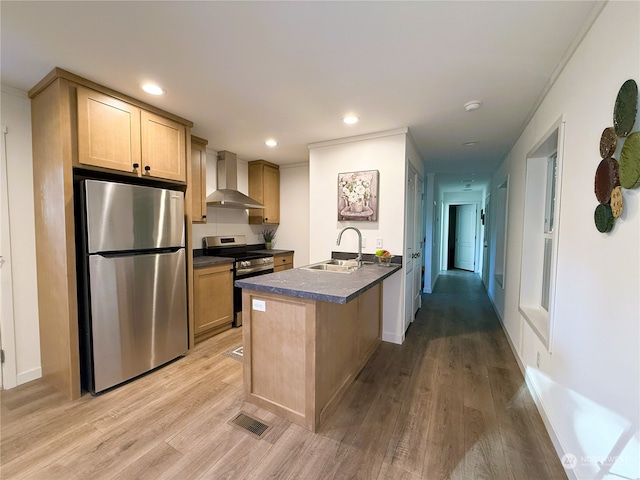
358, 196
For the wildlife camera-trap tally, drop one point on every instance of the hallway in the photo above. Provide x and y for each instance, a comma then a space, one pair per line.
449, 403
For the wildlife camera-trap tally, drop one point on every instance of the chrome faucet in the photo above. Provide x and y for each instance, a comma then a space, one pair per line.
359, 257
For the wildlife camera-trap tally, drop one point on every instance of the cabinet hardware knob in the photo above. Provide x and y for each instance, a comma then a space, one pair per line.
147, 168
266, 219
136, 165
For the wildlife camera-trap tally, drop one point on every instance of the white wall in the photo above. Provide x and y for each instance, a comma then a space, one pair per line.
20, 331
588, 384
385, 152
293, 232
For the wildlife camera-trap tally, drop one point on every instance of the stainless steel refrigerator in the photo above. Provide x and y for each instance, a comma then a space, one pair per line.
132, 280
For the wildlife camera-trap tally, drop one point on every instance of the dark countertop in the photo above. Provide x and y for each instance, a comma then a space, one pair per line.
333, 287
205, 261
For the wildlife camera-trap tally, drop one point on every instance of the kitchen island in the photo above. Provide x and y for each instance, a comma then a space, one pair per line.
306, 336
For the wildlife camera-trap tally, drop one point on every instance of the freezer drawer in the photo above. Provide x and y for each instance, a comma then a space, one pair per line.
138, 314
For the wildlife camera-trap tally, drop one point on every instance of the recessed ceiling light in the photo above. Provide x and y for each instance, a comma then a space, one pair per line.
152, 89
271, 143
350, 119
472, 105
470, 144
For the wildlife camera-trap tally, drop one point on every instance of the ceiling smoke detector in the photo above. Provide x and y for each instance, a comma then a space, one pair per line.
472, 105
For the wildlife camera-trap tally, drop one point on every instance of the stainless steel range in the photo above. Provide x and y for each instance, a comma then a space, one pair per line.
249, 262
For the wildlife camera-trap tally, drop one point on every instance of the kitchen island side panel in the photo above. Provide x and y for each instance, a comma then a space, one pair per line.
301, 355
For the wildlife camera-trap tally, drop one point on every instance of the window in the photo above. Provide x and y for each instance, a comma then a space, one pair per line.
549, 217
502, 196
539, 239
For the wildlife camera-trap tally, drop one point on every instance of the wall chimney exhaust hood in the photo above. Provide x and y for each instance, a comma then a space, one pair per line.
227, 194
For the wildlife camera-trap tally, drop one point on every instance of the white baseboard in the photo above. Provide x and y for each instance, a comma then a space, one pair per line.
392, 338
29, 375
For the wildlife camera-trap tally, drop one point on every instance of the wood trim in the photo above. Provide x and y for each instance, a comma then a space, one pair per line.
55, 237
189, 242
198, 179
73, 78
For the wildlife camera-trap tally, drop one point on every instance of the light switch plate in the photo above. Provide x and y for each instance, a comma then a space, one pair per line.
364, 242
378, 242
259, 305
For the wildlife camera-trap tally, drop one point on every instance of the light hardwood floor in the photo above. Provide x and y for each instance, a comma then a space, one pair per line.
449, 403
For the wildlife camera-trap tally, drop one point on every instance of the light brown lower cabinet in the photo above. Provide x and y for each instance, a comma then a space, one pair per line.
282, 262
213, 300
301, 355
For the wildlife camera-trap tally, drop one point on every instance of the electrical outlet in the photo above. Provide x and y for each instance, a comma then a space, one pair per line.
378, 242
538, 360
364, 242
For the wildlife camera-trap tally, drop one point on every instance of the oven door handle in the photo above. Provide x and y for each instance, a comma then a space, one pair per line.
248, 271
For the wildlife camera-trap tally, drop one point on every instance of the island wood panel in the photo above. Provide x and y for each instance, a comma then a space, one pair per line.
278, 349
370, 317
336, 350
302, 355
53, 140
108, 132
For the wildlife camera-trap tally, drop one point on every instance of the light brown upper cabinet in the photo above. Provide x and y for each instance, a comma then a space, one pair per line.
198, 179
264, 186
108, 132
119, 136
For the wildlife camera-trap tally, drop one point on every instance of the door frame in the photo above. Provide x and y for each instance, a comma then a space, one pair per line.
473, 241
445, 233
9, 370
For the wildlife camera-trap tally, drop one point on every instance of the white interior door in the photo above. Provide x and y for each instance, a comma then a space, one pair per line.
418, 236
465, 248
409, 257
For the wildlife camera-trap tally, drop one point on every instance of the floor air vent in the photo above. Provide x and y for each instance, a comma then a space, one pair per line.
250, 425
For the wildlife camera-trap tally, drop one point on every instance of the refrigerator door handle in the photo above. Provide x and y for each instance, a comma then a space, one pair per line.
131, 253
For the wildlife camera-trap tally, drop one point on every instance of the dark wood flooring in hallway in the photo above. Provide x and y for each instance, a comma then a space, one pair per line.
449, 403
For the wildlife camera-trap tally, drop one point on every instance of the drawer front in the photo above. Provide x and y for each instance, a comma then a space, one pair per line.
286, 259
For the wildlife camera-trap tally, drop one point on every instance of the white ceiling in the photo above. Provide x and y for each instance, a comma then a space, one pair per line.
247, 71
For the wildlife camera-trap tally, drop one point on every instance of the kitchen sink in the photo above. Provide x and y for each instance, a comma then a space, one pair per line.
334, 265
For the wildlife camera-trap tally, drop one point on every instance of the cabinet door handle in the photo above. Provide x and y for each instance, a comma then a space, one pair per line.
147, 168
266, 219
135, 166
